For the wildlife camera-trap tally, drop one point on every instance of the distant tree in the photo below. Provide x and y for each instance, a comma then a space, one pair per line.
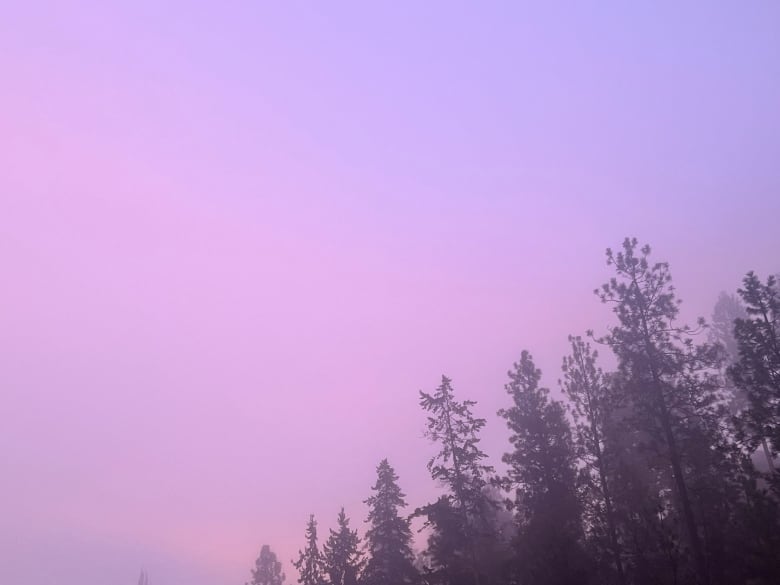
593, 403
310, 563
341, 553
671, 380
757, 371
144, 578
268, 569
458, 518
389, 537
728, 308
541, 472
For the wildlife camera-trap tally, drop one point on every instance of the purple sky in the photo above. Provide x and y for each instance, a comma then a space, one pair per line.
236, 241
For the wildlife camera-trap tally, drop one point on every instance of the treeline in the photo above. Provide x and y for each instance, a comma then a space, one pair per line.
659, 472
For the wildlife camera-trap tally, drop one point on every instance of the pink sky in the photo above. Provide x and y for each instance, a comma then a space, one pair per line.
236, 242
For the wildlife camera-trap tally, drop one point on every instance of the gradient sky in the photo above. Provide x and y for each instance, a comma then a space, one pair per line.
238, 237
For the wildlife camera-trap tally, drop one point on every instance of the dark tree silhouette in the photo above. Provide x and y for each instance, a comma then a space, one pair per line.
389, 537
542, 475
757, 371
593, 403
457, 518
310, 563
669, 376
341, 553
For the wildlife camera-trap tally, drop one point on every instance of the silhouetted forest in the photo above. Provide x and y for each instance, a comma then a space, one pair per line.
661, 471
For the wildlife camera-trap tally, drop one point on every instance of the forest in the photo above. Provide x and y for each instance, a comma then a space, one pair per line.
658, 471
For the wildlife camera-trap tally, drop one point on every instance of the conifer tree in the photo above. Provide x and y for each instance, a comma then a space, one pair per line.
757, 371
388, 538
458, 518
310, 562
592, 402
670, 379
542, 474
341, 553
727, 310
268, 569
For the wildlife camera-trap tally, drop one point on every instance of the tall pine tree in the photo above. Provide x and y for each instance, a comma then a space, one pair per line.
541, 472
670, 379
457, 519
310, 562
341, 552
593, 402
389, 537
757, 371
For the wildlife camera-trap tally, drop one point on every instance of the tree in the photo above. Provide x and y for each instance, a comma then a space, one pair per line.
144, 578
757, 371
728, 308
593, 403
458, 517
541, 471
268, 569
341, 553
310, 561
670, 378
389, 537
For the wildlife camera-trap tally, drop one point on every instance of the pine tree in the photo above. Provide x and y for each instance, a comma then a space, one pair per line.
458, 517
389, 537
670, 379
593, 403
144, 578
341, 553
757, 371
727, 310
310, 561
268, 569
542, 474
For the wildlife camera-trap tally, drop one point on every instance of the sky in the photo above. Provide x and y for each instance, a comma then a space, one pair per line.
237, 238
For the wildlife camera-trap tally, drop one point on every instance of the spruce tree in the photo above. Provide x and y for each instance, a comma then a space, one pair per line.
389, 537
541, 471
310, 561
341, 553
268, 569
458, 518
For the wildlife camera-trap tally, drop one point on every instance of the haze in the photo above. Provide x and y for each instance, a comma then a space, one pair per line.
238, 238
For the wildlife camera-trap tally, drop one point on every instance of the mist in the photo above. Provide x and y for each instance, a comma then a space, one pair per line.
239, 241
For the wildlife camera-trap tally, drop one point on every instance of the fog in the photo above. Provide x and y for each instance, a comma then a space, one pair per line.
238, 241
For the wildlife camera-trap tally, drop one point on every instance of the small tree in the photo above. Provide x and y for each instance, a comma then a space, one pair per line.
268, 569
341, 553
310, 561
